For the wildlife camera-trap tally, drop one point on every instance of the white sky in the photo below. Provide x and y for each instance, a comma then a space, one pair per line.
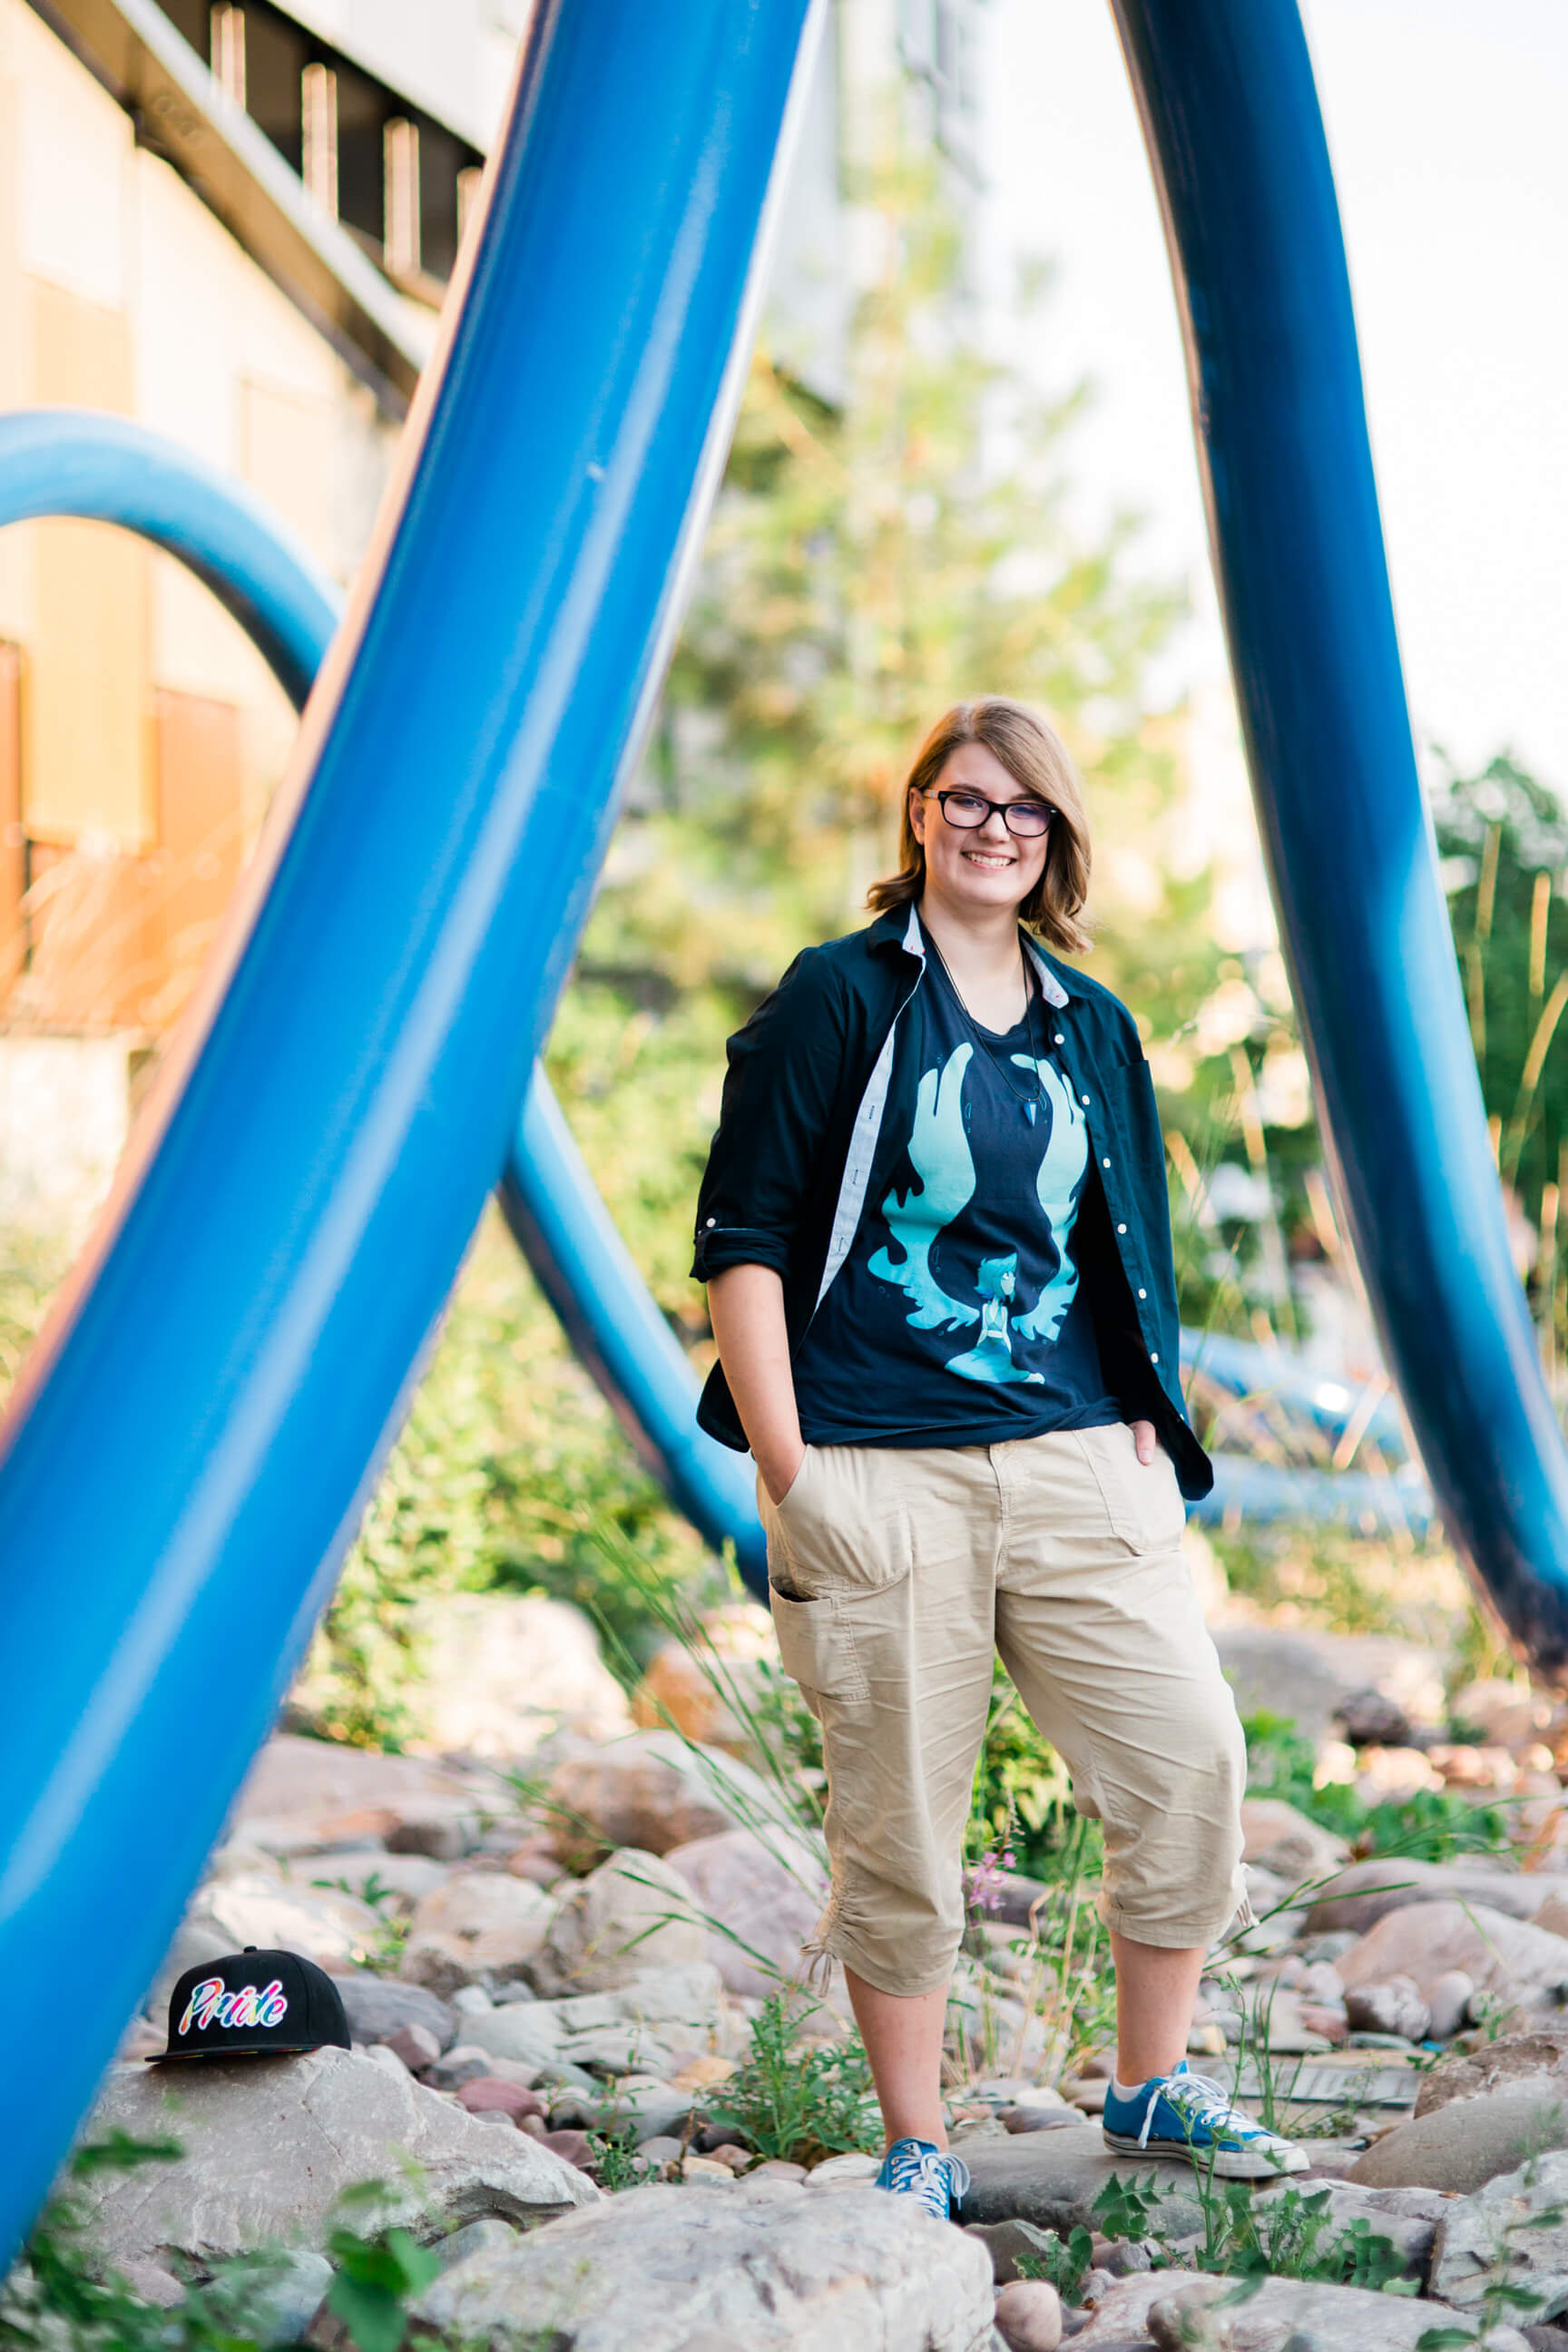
1446, 124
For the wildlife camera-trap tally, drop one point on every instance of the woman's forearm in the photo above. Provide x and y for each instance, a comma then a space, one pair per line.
746, 1306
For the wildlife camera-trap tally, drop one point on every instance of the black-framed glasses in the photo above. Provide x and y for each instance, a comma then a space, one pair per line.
968, 811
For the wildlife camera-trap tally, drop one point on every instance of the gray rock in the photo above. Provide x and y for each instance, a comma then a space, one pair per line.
440, 1837
1369, 1719
632, 1914
1282, 1840
476, 1926
1117, 2321
1466, 2143
317, 1795
1541, 2057
490, 2236
1394, 2007
1448, 1999
376, 2006
396, 1882
639, 2025
1052, 2179
765, 2266
1429, 1939
1005, 2240
1514, 2229
1295, 2313
646, 2110
290, 2299
759, 1897
1029, 2317
270, 2145
464, 2063
1358, 1898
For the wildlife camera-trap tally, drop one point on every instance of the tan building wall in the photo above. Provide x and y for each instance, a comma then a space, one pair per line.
141, 736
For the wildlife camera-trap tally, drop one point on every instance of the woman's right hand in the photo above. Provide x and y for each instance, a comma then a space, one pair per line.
747, 1309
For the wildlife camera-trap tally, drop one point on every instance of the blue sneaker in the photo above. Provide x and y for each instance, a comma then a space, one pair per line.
917, 2167
1185, 2116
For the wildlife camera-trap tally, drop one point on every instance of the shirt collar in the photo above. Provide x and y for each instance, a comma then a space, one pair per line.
1051, 988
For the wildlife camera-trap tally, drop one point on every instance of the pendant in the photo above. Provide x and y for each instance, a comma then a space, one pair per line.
1029, 1109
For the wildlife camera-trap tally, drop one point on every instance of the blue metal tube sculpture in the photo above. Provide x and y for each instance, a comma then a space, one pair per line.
197, 1428
1237, 144
104, 469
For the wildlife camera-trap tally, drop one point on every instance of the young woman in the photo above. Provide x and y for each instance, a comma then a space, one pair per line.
937, 1246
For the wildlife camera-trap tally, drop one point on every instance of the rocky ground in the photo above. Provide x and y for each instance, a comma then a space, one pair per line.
556, 1940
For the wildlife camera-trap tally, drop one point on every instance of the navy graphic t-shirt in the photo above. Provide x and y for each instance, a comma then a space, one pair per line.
958, 1317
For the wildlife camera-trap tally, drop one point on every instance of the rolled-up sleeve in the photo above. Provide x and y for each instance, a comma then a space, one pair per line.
785, 1067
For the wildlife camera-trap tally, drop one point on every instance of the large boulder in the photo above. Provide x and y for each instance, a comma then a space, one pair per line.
259, 1907
764, 2265
1514, 2229
642, 2025
500, 1673
1307, 1676
630, 1915
1357, 1899
311, 1796
653, 1790
1469, 2142
1289, 2314
706, 1687
478, 1925
759, 1898
1425, 1941
271, 2144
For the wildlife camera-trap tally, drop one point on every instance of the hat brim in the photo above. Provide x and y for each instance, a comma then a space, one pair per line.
254, 2050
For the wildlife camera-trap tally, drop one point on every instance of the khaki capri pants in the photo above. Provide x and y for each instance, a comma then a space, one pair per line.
896, 1574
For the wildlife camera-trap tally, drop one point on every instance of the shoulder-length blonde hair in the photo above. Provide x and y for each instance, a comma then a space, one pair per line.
1035, 758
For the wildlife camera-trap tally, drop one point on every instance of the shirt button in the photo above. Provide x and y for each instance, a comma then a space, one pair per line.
712, 1220
1058, 1039
1121, 1229
1153, 1358
1105, 1163
1084, 1100
1142, 1294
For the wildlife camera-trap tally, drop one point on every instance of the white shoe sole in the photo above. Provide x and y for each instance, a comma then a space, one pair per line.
1228, 2164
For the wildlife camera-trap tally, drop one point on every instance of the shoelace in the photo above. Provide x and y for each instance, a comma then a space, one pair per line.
925, 2173
1201, 2101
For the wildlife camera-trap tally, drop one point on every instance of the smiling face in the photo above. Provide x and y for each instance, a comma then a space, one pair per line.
989, 868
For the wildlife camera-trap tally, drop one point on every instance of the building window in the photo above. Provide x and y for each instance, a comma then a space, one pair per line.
228, 52
319, 108
401, 234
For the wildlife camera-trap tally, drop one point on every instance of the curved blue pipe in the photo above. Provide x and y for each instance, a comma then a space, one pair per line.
65, 461
560, 1224
1237, 144
1276, 1375
197, 1430
71, 462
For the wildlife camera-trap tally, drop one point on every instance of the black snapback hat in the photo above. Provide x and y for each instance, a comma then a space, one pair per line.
253, 2001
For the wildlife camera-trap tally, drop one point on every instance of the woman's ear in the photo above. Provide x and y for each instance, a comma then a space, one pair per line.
916, 815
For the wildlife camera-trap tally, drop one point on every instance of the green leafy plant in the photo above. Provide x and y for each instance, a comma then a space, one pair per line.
1429, 1826
799, 2099
1125, 2209
1063, 2264
377, 2273
1291, 2234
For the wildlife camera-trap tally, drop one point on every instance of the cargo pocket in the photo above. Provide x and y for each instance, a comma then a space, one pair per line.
1142, 1500
816, 1646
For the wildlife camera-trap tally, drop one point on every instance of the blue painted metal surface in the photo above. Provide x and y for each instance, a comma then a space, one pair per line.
71, 462
188, 1458
1226, 90
64, 461
1277, 1375
611, 1318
